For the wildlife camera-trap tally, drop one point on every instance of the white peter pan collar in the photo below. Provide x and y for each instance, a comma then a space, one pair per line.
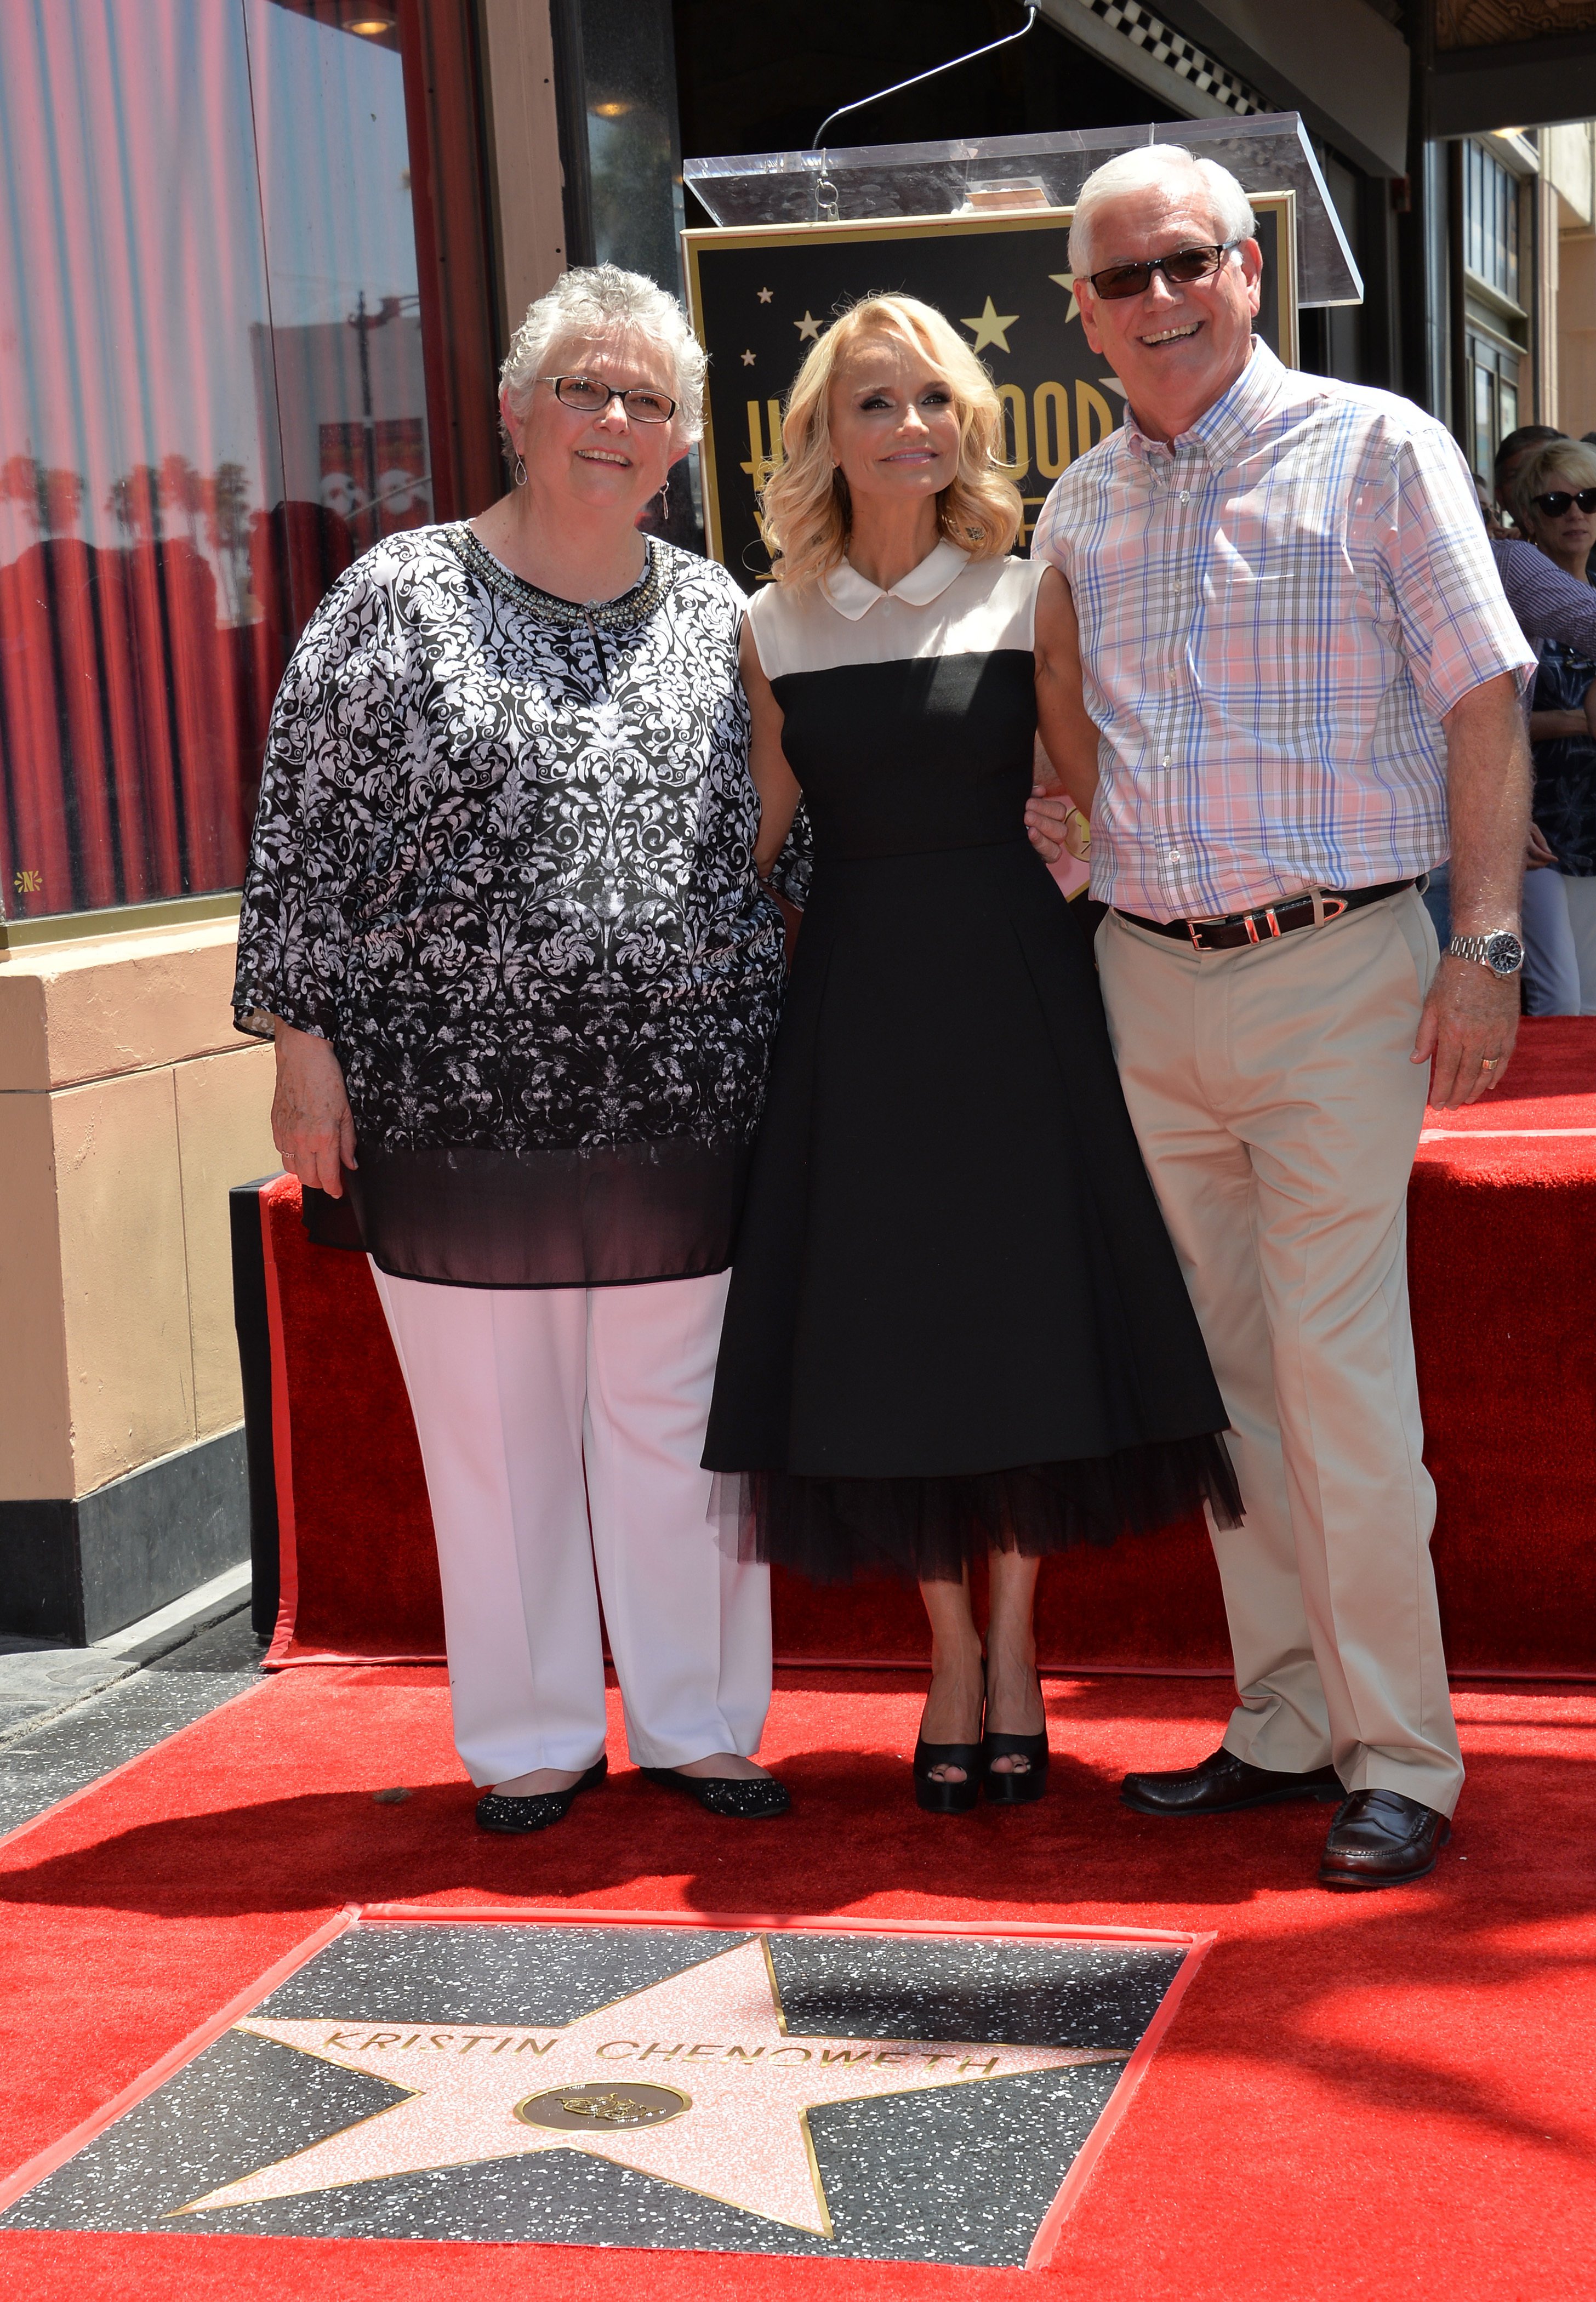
854, 595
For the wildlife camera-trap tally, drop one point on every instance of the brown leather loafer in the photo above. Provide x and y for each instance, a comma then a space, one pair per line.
1382, 1839
1226, 1784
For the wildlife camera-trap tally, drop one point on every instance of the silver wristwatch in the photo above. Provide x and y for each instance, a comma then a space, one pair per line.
1500, 951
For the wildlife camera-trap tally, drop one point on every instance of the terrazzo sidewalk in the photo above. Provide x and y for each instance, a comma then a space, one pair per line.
96, 1710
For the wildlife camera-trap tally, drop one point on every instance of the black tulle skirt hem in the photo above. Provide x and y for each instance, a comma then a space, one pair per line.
926, 1530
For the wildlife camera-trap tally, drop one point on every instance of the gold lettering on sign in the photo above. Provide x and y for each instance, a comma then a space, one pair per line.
799, 2054
1053, 446
983, 2069
744, 2054
1016, 432
844, 2055
665, 2052
1089, 402
763, 454
619, 2049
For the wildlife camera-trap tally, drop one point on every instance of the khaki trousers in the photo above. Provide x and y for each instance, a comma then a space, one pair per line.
1279, 1112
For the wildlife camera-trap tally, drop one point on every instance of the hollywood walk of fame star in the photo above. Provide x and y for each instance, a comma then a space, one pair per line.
766, 294
748, 360
808, 327
991, 328
722, 2091
1066, 281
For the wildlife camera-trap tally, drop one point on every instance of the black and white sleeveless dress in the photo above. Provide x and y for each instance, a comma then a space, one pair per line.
955, 1319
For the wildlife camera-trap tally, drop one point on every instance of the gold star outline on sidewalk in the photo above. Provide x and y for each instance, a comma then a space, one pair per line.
808, 327
1066, 281
694, 2080
992, 328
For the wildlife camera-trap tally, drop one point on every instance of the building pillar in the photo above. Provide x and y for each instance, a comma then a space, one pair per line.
129, 1106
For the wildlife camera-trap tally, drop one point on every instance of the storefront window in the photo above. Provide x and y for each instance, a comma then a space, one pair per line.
212, 397
1491, 221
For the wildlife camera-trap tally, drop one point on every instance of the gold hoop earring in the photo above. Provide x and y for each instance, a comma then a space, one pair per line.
520, 475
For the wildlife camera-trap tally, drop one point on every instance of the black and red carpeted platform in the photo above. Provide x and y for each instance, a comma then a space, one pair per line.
1502, 1255
1362, 2096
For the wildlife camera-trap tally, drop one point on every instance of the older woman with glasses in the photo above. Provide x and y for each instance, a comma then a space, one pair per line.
503, 922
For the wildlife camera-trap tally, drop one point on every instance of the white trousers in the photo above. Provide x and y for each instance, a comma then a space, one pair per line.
561, 1430
1579, 901
1279, 1112
1560, 942
1551, 961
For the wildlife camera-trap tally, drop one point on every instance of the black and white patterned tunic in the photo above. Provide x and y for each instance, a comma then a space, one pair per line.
504, 861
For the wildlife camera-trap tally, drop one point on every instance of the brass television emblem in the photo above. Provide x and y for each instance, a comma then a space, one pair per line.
635, 2105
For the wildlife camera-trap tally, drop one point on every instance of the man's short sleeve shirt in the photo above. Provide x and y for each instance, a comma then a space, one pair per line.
1276, 614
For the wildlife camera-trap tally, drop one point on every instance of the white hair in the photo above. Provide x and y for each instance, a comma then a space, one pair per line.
585, 304
1155, 164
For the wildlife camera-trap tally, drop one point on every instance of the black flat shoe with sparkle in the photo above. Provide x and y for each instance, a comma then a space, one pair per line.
536, 1812
741, 1798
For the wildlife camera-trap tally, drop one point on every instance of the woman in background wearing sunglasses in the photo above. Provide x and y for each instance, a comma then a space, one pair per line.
1555, 503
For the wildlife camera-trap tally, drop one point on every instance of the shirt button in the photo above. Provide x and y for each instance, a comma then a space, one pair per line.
1186, 495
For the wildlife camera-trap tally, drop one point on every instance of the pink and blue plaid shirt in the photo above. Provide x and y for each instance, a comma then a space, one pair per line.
1276, 613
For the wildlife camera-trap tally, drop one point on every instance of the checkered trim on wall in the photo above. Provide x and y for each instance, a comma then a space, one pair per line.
1176, 52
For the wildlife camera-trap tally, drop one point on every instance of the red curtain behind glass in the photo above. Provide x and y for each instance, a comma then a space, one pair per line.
209, 210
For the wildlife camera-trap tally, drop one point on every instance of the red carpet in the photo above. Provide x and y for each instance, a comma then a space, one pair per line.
1503, 1261
1367, 2097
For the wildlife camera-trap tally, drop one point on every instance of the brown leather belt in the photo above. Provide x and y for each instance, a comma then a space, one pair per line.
1239, 928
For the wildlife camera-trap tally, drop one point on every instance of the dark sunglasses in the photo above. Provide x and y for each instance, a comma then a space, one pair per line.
592, 395
1559, 501
1185, 265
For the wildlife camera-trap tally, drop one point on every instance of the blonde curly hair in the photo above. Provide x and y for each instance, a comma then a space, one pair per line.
805, 506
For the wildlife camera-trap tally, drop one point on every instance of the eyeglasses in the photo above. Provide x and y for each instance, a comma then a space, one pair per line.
1560, 500
592, 396
1180, 269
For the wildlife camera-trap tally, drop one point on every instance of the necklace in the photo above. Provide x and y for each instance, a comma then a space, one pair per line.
603, 615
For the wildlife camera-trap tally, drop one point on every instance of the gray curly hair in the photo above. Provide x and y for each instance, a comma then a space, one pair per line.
587, 303
1155, 164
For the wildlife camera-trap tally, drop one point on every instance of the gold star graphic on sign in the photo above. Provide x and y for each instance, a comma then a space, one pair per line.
1066, 281
694, 2080
748, 360
992, 328
808, 327
765, 294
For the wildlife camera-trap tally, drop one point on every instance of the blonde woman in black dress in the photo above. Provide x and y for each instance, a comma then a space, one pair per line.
956, 1324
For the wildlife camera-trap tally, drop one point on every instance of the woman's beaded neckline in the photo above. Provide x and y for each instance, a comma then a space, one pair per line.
607, 615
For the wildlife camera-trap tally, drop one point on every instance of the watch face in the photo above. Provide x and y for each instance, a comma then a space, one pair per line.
1504, 954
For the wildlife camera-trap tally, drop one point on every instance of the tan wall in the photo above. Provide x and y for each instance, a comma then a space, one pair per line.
128, 1106
1577, 331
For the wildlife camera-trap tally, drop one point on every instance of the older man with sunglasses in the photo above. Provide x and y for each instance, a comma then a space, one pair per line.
1306, 680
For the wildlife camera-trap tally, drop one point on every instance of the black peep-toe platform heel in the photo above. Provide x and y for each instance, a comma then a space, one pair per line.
946, 1798
1014, 1787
